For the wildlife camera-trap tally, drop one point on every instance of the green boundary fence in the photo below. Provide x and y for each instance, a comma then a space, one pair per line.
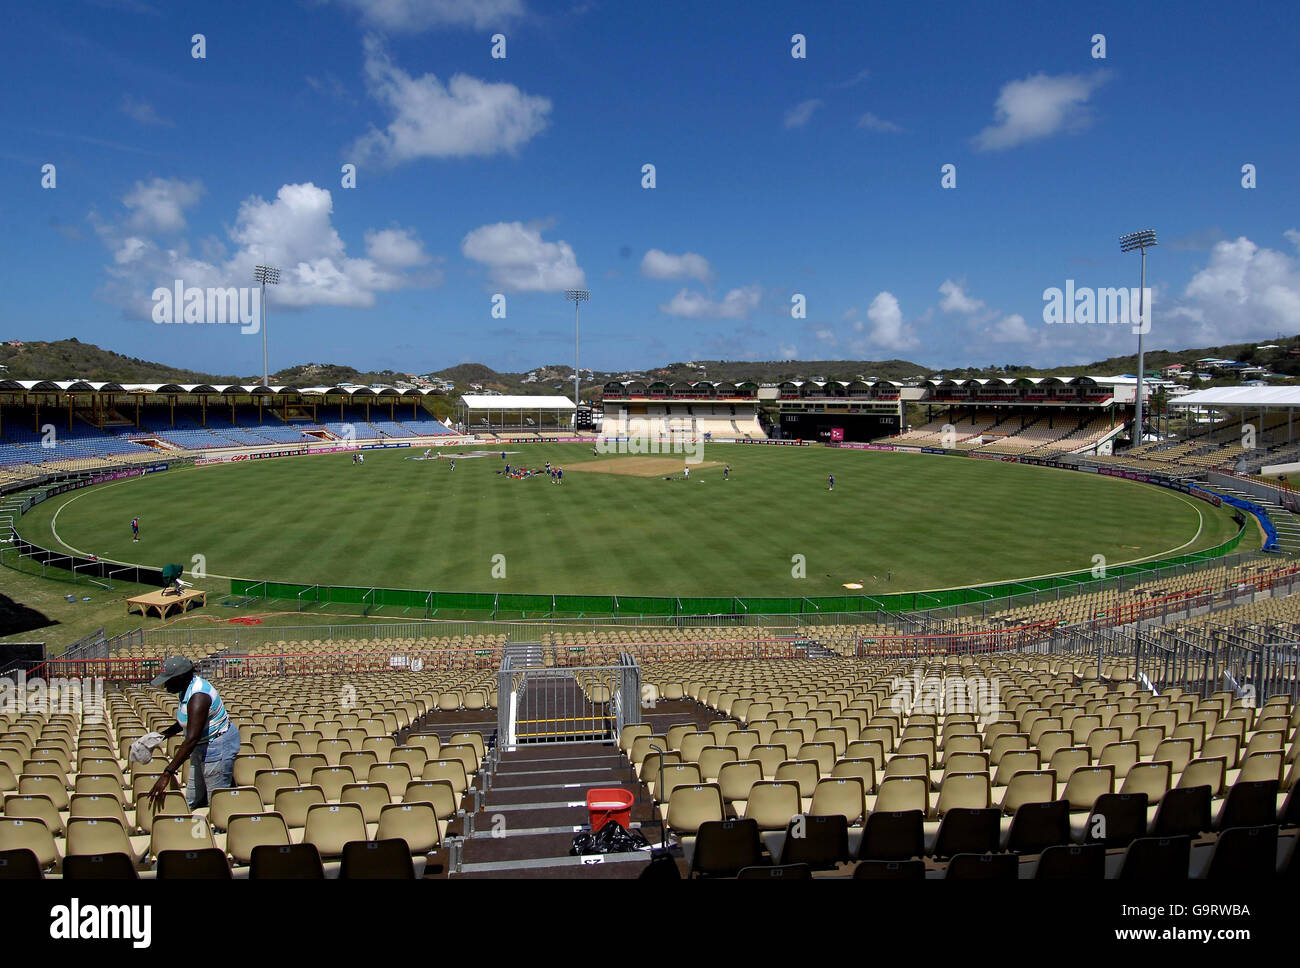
431, 602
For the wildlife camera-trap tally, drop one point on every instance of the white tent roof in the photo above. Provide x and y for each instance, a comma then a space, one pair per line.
491, 401
1240, 397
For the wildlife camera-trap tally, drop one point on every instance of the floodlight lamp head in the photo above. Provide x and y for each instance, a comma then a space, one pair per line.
577, 295
1144, 239
267, 275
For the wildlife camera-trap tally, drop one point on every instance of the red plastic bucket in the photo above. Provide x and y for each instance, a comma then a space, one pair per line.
610, 803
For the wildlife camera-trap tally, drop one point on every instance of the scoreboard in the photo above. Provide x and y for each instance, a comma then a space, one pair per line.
835, 427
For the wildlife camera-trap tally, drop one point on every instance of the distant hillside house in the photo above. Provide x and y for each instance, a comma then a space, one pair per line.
15, 343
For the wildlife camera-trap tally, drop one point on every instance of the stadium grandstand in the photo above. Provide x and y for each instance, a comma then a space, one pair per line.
1044, 417
70, 426
700, 409
1241, 440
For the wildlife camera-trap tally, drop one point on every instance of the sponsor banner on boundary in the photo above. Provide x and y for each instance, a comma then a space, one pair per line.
100, 479
403, 443
1061, 465
983, 456
855, 445
552, 440
1128, 475
908, 450
332, 450
259, 455
1189, 489
782, 443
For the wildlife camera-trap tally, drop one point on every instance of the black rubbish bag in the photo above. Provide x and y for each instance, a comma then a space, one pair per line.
612, 838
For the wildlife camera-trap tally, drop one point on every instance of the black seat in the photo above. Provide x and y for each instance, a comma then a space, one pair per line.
1290, 813
1183, 812
1072, 862
1244, 852
99, 867
1037, 826
1250, 803
889, 870
377, 860
1157, 858
1119, 818
777, 872
983, 867
725, 847
819, 842
203, 865
895, 835
968, 830
287, 862
20, 865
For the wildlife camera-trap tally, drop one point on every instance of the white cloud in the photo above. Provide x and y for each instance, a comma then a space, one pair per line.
873, 123
1011, 329
737, 304
142, 111
1037, 107
955, 299
293, 231
159, 205
1293, 237
801, 113
413, 16
463, 118
1244, 291
520, 260
887, 326
788, 351
657, 264
397, 247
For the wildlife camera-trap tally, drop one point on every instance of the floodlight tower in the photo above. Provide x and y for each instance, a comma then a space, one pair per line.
1144, 239
578, 296
266, 275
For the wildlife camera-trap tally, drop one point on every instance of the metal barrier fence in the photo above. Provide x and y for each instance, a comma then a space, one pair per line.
92, 646
24, 556
955, 643
1251, 673
565, 705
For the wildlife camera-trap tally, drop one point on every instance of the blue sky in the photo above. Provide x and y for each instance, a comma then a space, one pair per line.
522, 175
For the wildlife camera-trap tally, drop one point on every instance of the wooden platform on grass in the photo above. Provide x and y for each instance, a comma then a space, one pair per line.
164, 600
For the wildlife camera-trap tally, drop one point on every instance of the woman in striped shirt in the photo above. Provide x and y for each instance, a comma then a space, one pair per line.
211, 740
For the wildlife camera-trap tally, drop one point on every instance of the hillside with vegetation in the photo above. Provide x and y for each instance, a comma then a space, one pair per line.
73, 359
